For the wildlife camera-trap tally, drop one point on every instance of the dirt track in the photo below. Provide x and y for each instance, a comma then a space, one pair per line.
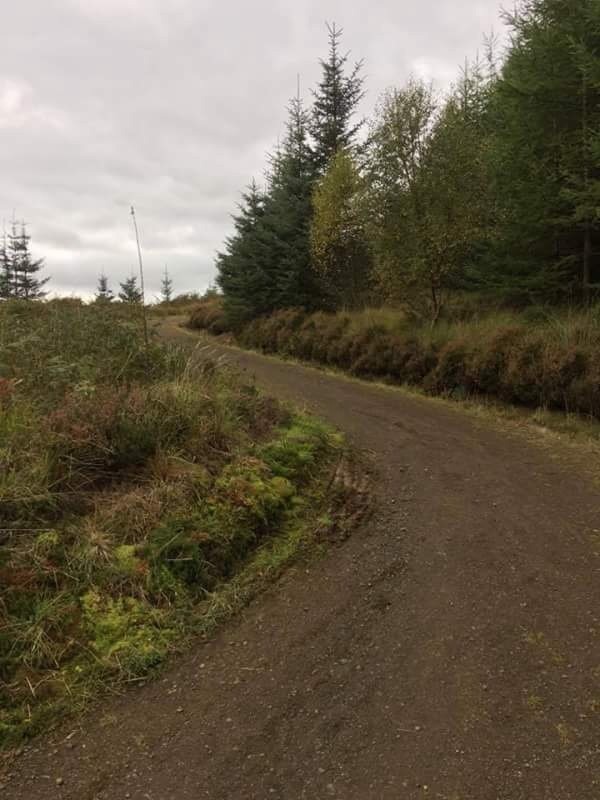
450, 649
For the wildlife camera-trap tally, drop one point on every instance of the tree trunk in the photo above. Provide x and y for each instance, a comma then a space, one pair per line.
587, 232
587, 260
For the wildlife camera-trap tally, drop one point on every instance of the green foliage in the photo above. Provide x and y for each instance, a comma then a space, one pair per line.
492, 189
335, 101
166, 287
127, 635
19, 278
544, 150
133, 485
338, 239
104, 293
130, 292
428, 193
266, 263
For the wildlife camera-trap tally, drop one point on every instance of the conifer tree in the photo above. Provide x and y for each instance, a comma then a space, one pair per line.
240, 271
546, 153
335, 102
287, 216
166, 287
22, 267
130, 293
104, 293
6, 278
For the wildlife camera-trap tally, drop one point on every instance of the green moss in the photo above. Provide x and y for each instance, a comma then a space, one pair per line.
127, 561
126, 634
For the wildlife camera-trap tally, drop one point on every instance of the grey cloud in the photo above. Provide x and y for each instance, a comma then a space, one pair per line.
171, 105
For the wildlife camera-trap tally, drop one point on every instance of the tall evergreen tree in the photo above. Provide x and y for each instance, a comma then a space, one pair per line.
130, 293
104, 293
266, 264
336, 98
287, 216
240, 273
546, 153
6, 276
166, 287
22, 267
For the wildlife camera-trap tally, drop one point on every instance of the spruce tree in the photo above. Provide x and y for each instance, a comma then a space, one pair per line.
335, 102
130, 293
546, 153
6, 282
104, 293
23, 269
287, 217
166, 287
240, 268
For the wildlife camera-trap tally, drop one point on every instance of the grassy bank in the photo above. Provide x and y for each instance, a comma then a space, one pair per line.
535, 358
137, 491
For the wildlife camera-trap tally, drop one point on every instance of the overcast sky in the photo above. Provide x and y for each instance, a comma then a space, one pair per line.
171, 105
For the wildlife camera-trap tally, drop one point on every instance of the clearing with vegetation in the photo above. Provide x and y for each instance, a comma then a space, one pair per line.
448, 649
135, 485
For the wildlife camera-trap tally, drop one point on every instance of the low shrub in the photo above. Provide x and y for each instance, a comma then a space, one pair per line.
208, 314
535, 358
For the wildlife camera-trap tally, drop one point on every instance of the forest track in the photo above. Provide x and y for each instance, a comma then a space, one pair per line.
449, 649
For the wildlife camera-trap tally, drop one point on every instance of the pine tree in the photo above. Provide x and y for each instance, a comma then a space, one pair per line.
22, 267
335, 102
130, 293
6, 282
104, 293
166, 287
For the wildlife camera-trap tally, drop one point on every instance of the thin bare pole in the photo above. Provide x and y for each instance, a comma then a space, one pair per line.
139, 249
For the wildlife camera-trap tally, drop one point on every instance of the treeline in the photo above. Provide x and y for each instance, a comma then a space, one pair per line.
130, 291
492, 189
20, 277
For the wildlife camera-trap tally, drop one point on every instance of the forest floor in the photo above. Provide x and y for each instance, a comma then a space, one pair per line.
450, 648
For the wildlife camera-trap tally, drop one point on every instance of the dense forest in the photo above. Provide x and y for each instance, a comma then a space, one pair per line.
490, 190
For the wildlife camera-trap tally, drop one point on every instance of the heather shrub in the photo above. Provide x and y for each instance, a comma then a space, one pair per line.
208, 314
533, 358
489, 358
583, 394
451, 372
